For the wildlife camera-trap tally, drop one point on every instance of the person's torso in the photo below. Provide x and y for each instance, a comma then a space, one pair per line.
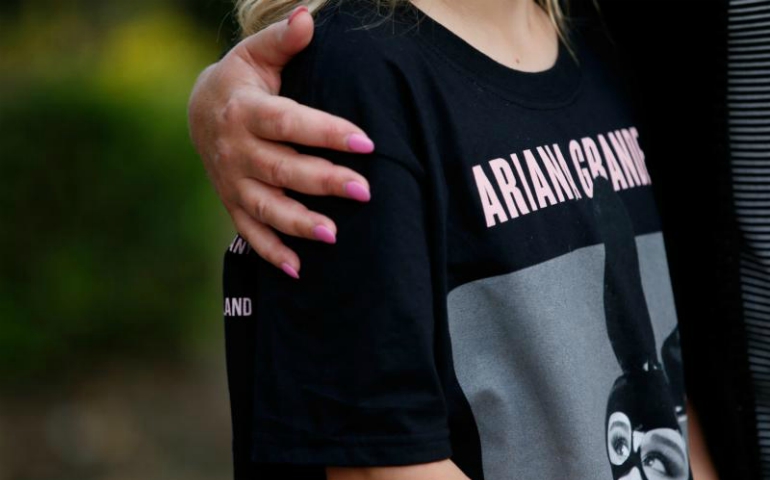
556, 336
560, 347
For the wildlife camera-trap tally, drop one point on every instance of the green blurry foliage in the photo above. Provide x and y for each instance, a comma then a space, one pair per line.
111, 235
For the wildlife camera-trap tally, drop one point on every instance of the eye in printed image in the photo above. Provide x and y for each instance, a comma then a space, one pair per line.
643, 433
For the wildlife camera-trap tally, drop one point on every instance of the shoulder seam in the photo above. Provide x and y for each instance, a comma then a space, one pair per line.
419, 171
418, 175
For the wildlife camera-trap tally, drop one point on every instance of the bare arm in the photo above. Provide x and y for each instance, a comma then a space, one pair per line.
701, 465
442, 470
239, 126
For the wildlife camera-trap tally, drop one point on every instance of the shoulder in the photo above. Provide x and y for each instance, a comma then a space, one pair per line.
361, 65
357, 47
360, 33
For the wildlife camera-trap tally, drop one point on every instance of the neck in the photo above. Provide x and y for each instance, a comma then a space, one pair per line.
516, 33
501, 14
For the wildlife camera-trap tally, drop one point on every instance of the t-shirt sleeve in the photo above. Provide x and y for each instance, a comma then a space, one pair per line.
345, 371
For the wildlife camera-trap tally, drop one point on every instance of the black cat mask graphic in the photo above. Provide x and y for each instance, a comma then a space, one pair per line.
643, 436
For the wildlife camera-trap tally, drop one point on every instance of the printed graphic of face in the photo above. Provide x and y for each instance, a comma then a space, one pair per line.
643, 437
644, 441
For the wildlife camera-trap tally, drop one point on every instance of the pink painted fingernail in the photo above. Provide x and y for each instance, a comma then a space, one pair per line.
289, 270
324, 234
356, 191
359, 143
296, 12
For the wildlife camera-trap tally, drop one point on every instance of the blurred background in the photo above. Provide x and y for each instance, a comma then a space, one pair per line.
111, 240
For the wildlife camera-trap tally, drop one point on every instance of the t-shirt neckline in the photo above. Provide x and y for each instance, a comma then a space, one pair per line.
548, 88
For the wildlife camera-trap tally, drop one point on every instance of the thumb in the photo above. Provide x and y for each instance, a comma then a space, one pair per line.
273, 47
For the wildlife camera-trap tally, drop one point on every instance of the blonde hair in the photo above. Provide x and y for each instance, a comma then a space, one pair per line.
254, 15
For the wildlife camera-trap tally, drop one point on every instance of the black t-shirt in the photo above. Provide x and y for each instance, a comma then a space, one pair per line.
502, 300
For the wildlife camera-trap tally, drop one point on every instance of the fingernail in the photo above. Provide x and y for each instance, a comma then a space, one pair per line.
360, 143
296, 12
324, 234
356, 191
288, 270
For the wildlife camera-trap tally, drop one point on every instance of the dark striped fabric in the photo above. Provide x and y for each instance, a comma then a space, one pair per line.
749, 135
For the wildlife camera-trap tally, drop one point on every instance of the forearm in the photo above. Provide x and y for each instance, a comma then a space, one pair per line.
700, 461
441, 470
